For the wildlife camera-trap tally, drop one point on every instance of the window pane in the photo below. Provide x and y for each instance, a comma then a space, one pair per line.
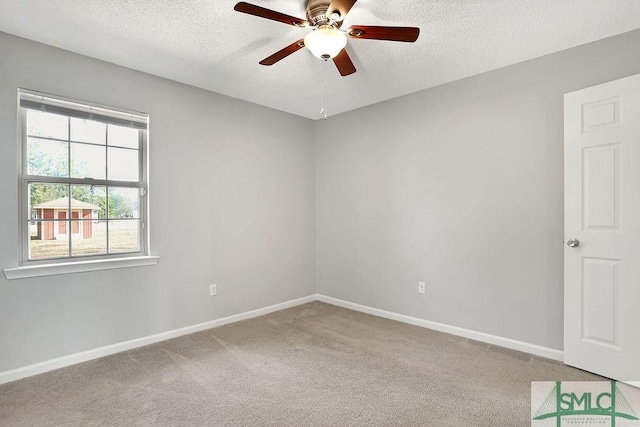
123, 136
47, 200
73, 217
124, 236
47, 125
46, 240
124, 202
123, 164
49, 221
46, 157
90, 200
89, 237
83, 130
88, 161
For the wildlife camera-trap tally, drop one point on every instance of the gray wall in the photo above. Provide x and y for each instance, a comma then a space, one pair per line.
460, 186
232, 203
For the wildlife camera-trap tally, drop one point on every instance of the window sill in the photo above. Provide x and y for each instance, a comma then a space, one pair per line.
78, 267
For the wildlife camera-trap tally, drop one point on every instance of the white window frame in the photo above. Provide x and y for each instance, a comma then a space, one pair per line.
29, 100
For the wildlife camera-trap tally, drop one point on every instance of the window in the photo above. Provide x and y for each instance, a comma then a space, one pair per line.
83, 181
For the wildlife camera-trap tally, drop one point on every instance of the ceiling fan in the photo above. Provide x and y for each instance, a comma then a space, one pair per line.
327, 40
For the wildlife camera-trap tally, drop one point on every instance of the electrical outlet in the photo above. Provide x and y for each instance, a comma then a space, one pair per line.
421, 286
213, 290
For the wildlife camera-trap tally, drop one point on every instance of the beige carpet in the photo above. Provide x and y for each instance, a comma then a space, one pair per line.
312, 365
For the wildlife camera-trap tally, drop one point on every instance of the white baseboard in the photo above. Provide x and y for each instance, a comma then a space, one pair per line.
537, 350
72, 359
61, 362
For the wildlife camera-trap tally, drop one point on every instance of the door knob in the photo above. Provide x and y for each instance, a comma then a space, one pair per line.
573, 243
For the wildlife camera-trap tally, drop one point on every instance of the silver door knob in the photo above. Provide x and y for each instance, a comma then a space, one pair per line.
573, 243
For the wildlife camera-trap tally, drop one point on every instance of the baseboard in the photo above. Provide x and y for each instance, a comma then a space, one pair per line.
537, 350
61, 362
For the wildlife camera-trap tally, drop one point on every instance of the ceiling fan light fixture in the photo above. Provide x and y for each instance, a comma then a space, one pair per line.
325, 42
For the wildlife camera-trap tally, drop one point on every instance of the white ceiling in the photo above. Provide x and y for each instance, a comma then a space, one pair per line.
206, 43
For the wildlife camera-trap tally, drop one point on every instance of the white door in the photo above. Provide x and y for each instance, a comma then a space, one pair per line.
602, 217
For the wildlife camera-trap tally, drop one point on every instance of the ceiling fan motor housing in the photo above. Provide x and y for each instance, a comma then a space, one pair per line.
318, 13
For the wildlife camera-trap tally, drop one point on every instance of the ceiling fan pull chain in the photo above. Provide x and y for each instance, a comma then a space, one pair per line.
323, 91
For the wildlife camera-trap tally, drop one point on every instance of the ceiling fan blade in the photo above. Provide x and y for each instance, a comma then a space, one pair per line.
396, 34
283, 53
252, 9
344, 64
341, 6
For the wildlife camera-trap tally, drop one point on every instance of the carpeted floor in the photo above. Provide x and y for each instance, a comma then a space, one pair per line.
312, 365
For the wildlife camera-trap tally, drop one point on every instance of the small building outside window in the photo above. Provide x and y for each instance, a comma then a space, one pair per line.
58, 209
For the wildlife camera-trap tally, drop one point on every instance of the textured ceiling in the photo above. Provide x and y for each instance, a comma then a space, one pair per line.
206, 43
